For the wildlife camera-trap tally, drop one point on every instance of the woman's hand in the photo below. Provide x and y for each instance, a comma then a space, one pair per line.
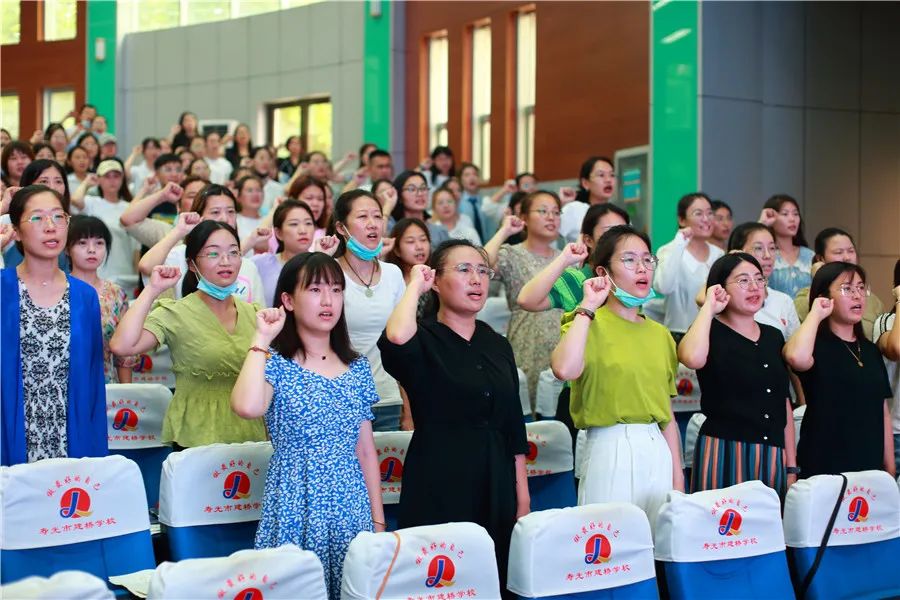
821, 308
186, 223
421, 278
687, 233
522, 509
7, 234
269, 322
574, 253
596, 291
388, 198
8, 193
790, 480
327, 244
512, 225
767, 216
164, 277
716, 299
566, 195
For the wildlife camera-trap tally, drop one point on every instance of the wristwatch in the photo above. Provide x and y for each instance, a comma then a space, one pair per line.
583, 311
792, 470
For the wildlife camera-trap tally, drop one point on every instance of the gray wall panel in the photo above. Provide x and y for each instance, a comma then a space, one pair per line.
880, 184
262, 52
233, 49
171, 56
782, 53
731, 37
782, 152
294, 40
832, 55
880, 64
202, 58
831, 171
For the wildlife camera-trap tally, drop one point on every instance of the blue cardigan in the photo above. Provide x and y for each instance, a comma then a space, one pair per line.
86, 417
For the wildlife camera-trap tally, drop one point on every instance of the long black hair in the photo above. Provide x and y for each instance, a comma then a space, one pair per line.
740, 234
281, 213
302, 271
722, 268
779, 200
583, 195
194, 243
822, 280
399, 211
36, 167
342, 207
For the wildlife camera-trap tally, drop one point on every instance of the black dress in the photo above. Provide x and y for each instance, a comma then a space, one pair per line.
843, 428
464, 398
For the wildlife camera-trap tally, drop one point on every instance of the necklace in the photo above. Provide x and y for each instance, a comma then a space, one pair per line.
369, 292
858, 350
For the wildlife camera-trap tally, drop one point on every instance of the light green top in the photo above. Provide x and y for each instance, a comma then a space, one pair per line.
206, 360
629, 372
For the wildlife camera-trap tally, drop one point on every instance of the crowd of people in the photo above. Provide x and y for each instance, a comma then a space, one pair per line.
311, 303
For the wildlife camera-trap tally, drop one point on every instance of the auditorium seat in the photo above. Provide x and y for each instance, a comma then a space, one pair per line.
580, 442
283, 573
87, 514
548, 390
496, 314
595, 551
392, 447
725, 543
799, 412
861, 557
524, 397
210, 498
690, 443
453, 561
65, 585
134, 418
550, 466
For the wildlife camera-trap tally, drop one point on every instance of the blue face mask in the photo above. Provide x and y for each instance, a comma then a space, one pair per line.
215, 291
361, 251
630, 300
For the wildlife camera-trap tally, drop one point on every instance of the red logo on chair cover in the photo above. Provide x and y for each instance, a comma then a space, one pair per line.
391, 469
730, 522
75, 503
125, 420
249, 594
685, 387
532, 453
597, 549
441, 572
236, 486
144, 365
859, 510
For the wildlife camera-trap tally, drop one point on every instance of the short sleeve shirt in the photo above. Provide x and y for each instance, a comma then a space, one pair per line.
568, 290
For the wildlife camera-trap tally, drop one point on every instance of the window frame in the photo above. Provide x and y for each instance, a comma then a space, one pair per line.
46, 94
304, 104
438, 133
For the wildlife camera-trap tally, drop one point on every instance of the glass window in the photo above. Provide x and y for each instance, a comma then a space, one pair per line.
206, 11
286, 121
526, 51
158, 14
481, 99
318, 134
60, 20
9, 114
295, 3
10, 24
57, 105
310, 119
243, 8
438, 84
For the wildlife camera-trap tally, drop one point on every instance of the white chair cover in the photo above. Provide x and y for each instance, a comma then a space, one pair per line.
549, 448
688, 398
580, 441
496, 314
392, 447
454, 558
134, 414
690, 437
155, 367
65, 585
579, 549
209, 485
799, 412
735, 522
286, 572
869, 512
61, 501
548, 390
524, 397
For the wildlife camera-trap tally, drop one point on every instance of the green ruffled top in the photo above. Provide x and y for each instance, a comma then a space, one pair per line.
206, 361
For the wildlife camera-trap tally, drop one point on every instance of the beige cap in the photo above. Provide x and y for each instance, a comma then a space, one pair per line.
107, 166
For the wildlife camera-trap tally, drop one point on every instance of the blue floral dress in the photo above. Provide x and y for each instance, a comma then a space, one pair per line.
315, 494
791, 278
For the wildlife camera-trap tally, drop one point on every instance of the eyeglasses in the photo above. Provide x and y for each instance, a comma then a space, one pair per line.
631, 261
422, 189
215, 255
469, 268
760, 251
744, 282
56, 219
544, 212
698, 214
850, 290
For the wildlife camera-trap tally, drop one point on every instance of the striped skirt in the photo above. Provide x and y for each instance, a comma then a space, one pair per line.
721, 463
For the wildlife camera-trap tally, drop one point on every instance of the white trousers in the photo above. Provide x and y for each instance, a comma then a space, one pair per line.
626, 463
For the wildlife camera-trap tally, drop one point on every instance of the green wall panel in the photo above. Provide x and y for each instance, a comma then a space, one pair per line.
100, 84
377, 76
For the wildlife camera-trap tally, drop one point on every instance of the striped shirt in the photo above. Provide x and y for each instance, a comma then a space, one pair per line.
568, 290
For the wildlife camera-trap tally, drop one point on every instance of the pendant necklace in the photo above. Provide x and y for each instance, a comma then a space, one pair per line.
858, 350
369, 292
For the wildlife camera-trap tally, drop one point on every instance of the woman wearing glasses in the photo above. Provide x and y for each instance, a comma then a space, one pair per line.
622, 367
466, 460
412, 191
208, 332
847, 425
685, 261
532, 335
749, 429
53, 400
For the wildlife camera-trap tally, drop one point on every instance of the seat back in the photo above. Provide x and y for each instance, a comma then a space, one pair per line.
861, 558
548, 390
589, 548
721, 542
550, 466
496, 313
430, 561
65, 584
524, 397
210, 498
274, 573
799, 412
688, 388
134, 418
580, 443
155, 367
391, 447
88, 514
690, 443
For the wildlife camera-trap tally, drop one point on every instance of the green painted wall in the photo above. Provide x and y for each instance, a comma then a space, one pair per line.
674, 128
100, 77
377, 77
